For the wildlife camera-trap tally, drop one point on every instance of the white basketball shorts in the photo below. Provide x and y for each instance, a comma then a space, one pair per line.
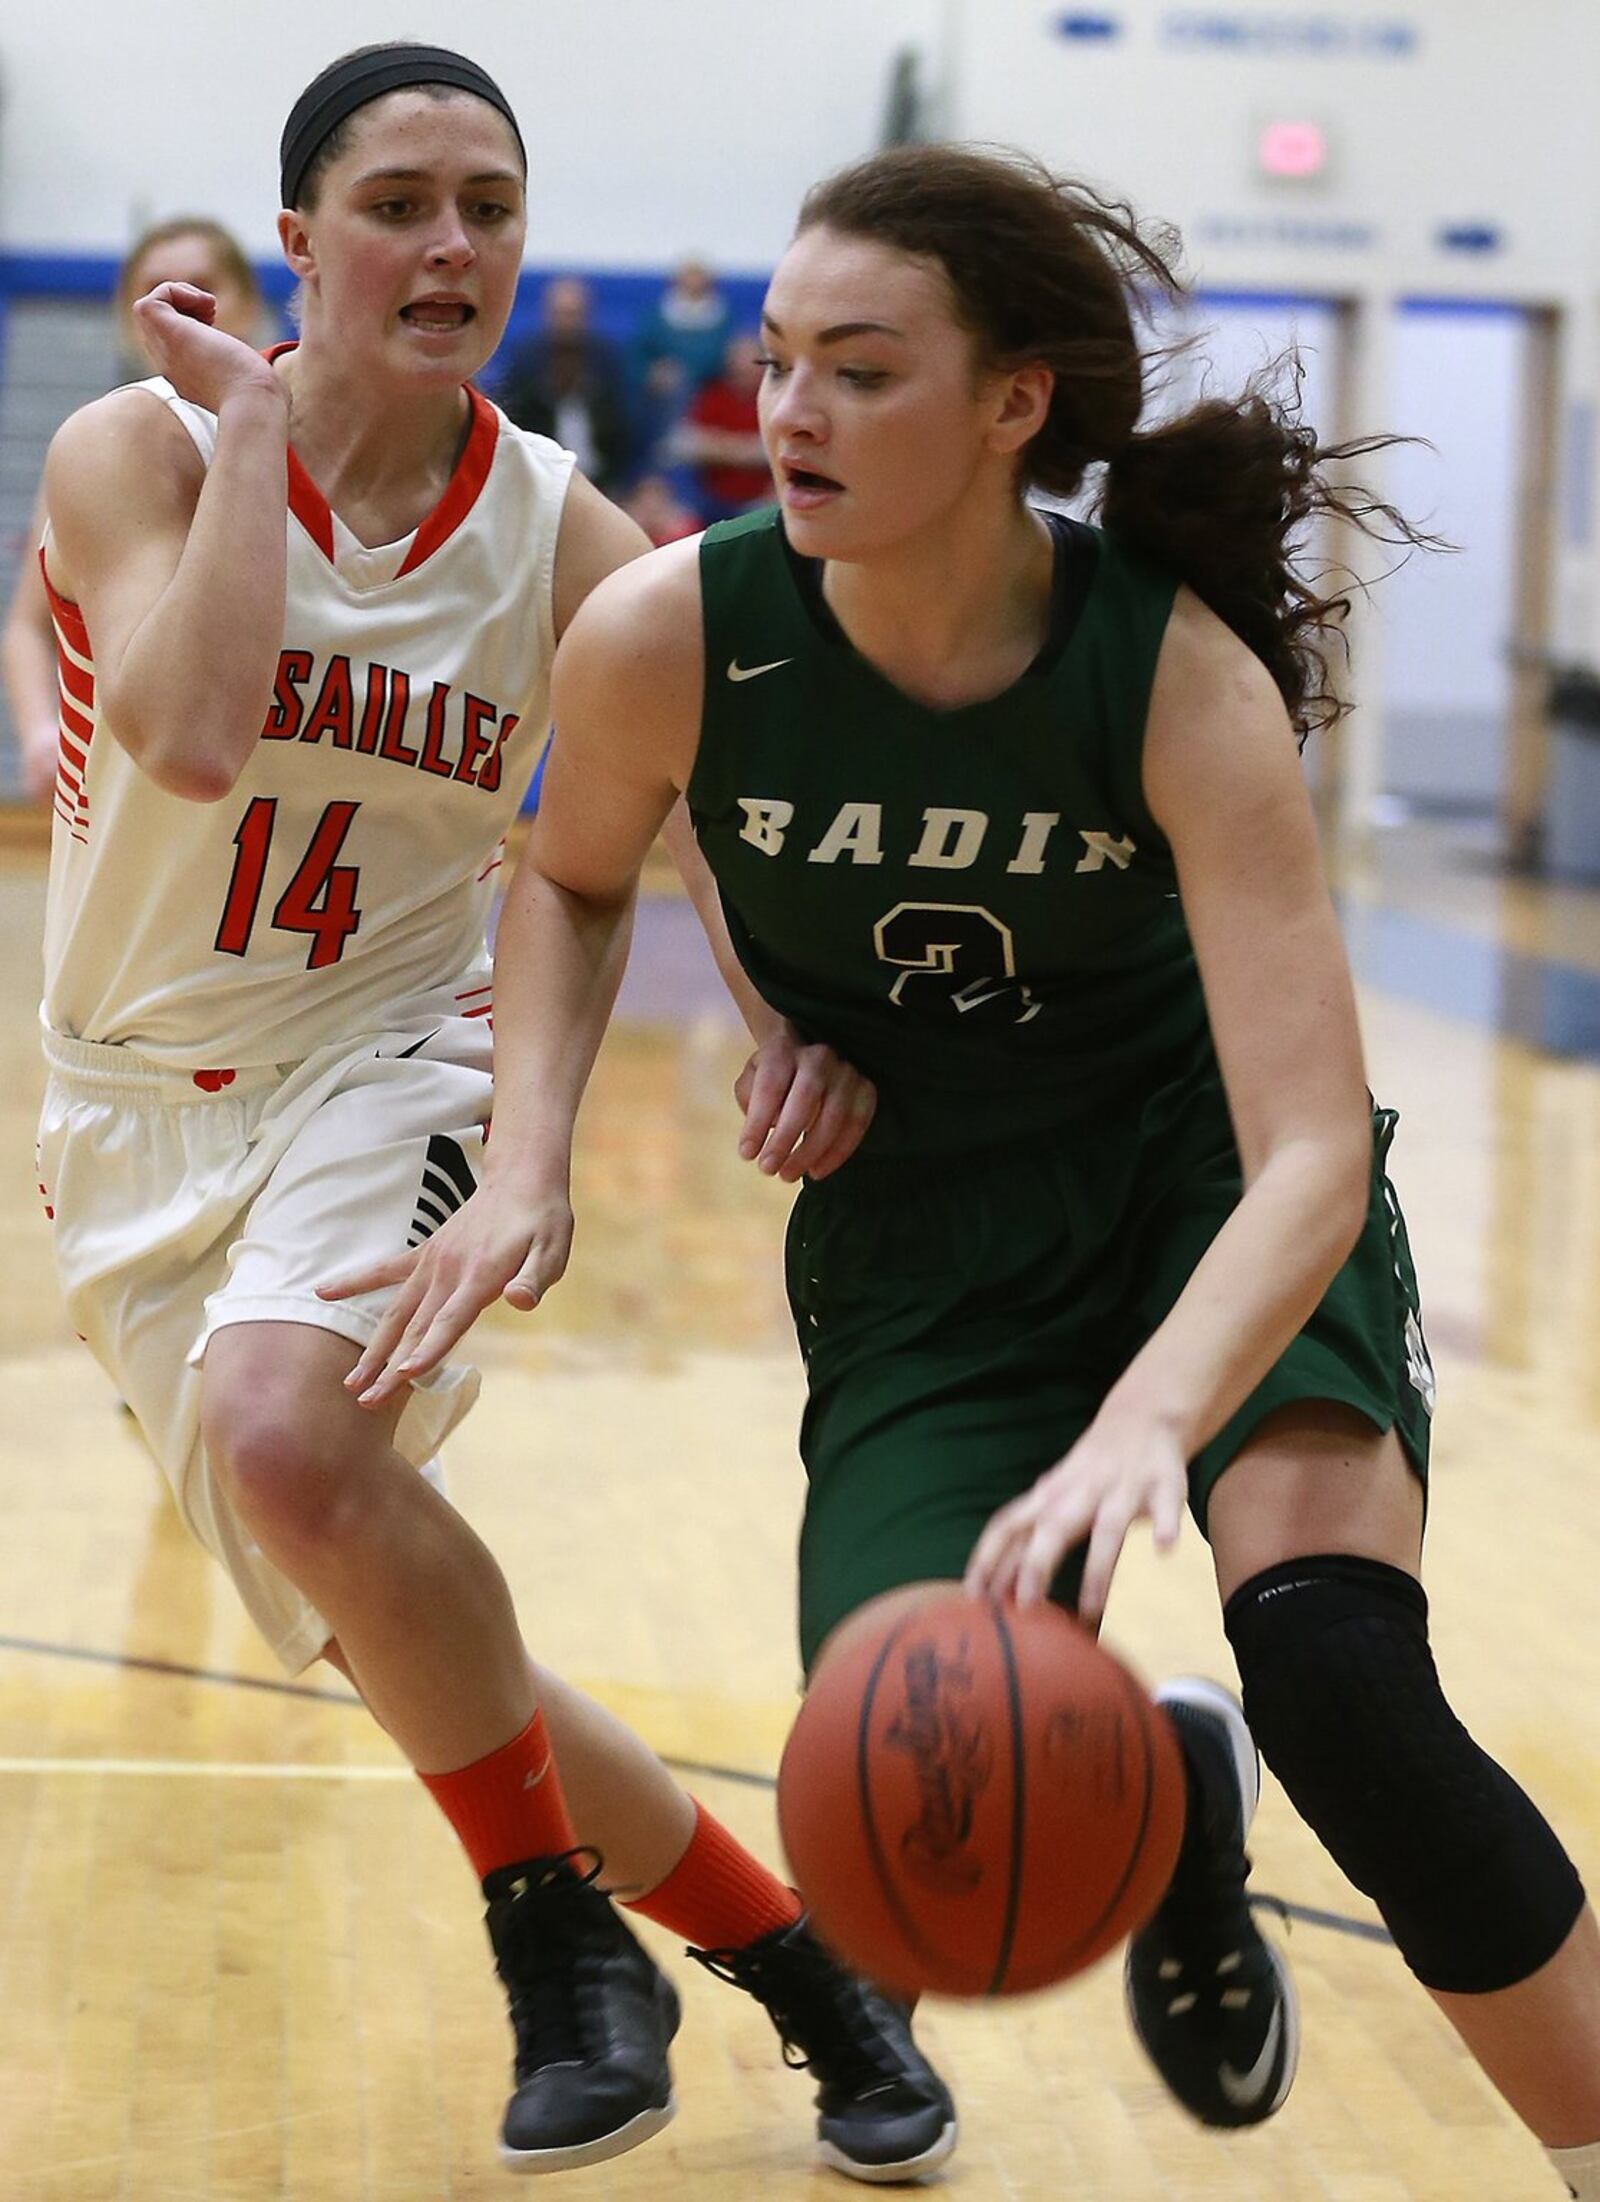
183, 1202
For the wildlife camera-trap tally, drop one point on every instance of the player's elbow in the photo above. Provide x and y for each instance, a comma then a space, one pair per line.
194, 776
194, 780
1343, 1167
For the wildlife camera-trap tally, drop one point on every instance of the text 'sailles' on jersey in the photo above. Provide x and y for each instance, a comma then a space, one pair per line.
352, 864
973, 906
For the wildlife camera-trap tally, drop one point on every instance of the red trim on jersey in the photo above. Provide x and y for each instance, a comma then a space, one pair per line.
67, 615
464, 487
461, 492
78, 684
473, 991
69, 801
310, 507
306, 501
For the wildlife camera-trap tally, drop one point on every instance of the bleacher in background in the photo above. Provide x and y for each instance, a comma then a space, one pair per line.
58, 350
57, 354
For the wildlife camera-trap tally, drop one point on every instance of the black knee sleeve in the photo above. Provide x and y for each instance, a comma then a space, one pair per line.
1341, 1692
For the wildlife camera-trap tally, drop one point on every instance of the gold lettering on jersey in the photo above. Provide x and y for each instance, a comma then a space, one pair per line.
950, 840
764, 823
1099, 848
1037, 827
854, 833
461, 736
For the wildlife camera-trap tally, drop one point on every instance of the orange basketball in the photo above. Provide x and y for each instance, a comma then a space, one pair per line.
978, 1800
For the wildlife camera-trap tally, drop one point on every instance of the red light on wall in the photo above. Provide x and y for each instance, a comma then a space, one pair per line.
1291, 150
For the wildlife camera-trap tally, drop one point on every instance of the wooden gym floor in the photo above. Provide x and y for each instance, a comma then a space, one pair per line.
239, 1955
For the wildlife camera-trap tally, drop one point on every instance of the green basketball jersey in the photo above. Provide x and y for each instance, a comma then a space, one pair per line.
973, 906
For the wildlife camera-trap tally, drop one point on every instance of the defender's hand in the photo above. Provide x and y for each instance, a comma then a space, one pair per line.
492, 1248
805, 1111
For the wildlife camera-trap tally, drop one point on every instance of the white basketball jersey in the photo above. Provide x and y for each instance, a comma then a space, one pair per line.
351, 866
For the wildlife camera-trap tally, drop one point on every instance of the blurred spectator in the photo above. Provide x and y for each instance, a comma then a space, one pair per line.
567, 383
720, 436
189, 248
680, 343
659, 510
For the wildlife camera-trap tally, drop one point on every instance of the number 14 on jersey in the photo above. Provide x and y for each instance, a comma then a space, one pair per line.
320, 898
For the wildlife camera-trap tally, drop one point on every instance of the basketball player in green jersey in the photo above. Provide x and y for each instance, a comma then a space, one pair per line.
1008, 811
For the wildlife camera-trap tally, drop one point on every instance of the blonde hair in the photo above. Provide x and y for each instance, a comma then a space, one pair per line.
232, 260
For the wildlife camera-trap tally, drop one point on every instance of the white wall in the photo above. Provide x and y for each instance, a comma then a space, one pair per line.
653, 126
659, 126
1438, 112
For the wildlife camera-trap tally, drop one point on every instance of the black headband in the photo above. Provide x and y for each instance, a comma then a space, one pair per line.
346, 85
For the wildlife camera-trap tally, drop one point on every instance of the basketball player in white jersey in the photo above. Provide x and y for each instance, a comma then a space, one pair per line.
293, 741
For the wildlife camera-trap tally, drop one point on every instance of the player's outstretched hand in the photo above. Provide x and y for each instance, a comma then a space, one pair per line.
494, 1247
1114, 1476
805, 1111
203, 364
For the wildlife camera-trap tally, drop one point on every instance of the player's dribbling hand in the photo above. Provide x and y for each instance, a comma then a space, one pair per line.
805, 1110
203, 364
1114, 1476
494, 1247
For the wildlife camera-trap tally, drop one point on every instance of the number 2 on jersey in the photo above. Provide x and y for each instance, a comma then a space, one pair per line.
320, 899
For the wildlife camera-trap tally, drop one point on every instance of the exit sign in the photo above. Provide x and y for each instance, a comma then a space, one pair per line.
1293, 149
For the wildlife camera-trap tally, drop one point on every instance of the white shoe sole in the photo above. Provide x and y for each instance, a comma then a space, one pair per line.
890, 2175
642, 2128
1211, 1697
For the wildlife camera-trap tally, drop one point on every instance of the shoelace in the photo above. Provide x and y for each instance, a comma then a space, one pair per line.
546, 1975
821, 2017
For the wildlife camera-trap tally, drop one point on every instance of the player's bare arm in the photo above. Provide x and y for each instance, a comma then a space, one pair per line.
625, 696
791, 1093
805, 1110
1224, 783
179, 568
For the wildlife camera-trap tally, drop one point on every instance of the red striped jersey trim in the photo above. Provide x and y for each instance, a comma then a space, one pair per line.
78, 684
71, 801
67, 615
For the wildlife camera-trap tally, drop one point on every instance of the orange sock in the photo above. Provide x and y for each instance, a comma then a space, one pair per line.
508, 1806
717, 1896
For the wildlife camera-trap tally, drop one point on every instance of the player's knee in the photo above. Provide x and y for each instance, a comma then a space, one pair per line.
1344, 1700
280, 1471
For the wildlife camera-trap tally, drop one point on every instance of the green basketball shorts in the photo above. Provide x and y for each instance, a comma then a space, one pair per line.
961, 1323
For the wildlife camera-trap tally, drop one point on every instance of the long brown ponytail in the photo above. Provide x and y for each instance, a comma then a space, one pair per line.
1042, 268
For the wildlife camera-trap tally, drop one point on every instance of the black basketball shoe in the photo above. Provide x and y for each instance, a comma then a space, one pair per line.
1210, 1999
592, 2016
883, 2113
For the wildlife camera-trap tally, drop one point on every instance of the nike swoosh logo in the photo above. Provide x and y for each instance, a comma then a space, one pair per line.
736, 671
416, 1044
532, 1781
1244, 2088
